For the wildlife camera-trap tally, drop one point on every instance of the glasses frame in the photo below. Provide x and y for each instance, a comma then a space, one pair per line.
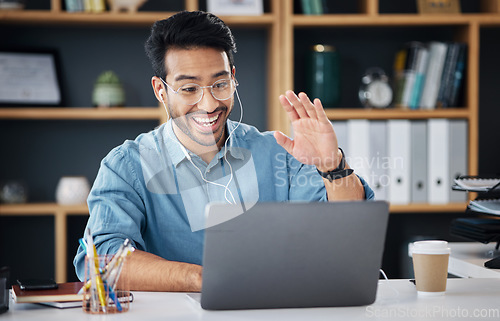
203, 87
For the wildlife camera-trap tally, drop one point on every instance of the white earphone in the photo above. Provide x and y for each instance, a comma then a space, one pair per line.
161, 94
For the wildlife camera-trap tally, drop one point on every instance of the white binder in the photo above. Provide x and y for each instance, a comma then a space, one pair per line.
458, 155
419, 161
438, 161
378, 178
340, 127
400, 162
359, 146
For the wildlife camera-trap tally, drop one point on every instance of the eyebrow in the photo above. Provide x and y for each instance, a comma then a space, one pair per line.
188, 77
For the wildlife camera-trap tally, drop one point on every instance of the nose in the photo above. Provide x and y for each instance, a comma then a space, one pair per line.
208, 103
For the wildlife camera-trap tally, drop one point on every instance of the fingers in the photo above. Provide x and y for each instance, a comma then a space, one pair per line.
292, 114
284, 141
300, 106
308, 105
320, 112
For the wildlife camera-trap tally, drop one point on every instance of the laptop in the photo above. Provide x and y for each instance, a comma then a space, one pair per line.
293, 255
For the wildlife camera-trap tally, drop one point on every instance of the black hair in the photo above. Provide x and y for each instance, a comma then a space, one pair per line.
188, 30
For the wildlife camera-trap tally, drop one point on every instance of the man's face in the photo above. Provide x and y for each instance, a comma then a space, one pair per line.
203, 123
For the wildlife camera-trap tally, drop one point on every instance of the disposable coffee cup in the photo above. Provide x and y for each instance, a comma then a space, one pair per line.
430, 263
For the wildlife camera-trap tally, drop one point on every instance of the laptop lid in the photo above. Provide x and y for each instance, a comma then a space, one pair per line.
287, 255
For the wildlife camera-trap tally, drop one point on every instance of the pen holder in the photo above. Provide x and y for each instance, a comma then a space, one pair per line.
104, 292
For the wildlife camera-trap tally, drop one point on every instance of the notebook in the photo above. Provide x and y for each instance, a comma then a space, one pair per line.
487, 206
66, 292
291, 255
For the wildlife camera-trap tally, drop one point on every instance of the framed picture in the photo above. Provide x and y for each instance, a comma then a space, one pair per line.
29, 79
438, 6
235, 7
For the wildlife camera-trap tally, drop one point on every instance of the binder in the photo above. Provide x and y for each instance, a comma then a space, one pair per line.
438, 161
458, 155
418, 146
399, 160
378, 178
359, 146
340, 128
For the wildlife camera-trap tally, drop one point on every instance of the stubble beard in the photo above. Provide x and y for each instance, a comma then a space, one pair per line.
182, 123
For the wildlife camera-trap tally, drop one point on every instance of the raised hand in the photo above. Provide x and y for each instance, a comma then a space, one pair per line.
315, 142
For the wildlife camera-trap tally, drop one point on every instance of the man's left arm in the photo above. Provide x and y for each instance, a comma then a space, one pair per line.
315, 143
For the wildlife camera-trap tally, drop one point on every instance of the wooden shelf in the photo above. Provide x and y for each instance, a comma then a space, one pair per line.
391, 113
428, 208
381, 20
114, 113
42, 209
109, 18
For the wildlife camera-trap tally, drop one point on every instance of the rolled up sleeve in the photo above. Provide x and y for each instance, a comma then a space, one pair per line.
116, 208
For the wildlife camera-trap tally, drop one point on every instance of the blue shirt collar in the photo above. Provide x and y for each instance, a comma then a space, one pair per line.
174, 148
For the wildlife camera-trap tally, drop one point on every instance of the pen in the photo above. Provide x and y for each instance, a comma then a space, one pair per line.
113, 297
83, 244
99, 283
97, 280
112, 264
93, 289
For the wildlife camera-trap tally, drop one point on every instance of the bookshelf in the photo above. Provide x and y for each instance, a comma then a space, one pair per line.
285, 29
299, 29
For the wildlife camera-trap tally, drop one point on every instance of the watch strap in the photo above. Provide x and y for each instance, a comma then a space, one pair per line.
338, 172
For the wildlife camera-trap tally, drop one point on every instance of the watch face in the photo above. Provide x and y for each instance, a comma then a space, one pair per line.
378, 94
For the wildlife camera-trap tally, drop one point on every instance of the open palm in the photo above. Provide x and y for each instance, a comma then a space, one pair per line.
315, 142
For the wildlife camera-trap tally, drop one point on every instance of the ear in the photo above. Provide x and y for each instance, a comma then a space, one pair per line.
157, 86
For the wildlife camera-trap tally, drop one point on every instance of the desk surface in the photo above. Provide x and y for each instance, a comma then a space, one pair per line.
467, 260
396, 299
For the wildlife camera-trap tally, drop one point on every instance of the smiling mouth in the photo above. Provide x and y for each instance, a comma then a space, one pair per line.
206, 121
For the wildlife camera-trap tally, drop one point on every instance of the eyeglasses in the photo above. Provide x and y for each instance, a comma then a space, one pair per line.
222, 89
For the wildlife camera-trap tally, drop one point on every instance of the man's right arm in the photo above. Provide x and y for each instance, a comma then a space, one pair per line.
117, 212
147, 272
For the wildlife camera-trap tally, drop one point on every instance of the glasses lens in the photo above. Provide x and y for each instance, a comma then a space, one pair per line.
223, 89
191, 93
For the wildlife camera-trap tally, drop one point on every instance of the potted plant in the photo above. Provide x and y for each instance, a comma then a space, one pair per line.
108, 91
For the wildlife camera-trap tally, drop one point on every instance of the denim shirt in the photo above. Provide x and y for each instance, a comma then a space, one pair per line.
154, 192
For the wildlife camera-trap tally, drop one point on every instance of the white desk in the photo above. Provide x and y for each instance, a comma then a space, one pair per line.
396, 299
467, 260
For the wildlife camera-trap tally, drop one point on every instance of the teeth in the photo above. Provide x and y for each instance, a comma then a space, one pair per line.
206, 121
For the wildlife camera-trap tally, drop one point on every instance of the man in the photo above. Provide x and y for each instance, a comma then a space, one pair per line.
153, 190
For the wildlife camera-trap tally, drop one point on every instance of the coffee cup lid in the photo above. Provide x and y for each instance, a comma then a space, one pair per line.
431, 247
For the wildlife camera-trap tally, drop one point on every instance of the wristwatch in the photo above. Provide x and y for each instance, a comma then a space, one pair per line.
338, 172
